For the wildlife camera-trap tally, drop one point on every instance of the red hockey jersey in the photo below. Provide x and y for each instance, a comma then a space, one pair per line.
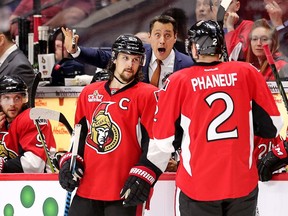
22, 137
119, 125
216, 105
239, 35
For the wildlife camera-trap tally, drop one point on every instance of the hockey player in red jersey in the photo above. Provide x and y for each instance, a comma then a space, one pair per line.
21, 150
117, 118
213, 110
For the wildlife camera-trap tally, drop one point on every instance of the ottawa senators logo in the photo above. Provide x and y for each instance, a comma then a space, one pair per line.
4, 151
104, 135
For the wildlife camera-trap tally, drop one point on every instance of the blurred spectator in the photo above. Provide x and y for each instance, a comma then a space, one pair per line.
263, 33
5, 12
206, 9
236, 32
73, 11
54, 12
65, 66
278, 13
56, 45
143, 36
180, 17
12, 4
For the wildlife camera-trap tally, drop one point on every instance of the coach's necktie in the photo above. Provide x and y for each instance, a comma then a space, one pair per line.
156, 74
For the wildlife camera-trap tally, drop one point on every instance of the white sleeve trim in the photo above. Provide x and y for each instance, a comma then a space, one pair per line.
159, 152
31, 163
278, 122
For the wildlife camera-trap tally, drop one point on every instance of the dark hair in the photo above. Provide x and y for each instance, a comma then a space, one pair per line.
180, 17
8, 35
164, 19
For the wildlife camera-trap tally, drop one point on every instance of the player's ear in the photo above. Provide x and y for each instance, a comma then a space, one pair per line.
194, 51
2, 38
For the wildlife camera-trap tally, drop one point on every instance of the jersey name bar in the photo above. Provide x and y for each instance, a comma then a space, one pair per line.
212, 81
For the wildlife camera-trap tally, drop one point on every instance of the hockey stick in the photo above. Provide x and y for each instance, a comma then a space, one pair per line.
220, 19
47, 152
31, 103
276, 75
75, 142
32, 93
36, 114
43, 113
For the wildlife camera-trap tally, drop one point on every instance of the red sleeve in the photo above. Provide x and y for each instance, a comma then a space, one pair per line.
28, 137
240, 34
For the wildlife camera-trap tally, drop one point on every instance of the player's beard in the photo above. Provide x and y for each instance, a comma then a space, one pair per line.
12, 114
127, 76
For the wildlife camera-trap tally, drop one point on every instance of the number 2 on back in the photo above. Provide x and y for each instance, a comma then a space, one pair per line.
212, 133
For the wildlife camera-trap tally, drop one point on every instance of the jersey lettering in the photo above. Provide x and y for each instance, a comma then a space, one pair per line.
212, 81
212, 132
121, 103
264, 148
278, 151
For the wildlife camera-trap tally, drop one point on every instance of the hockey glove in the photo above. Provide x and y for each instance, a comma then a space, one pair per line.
67, 180
138, 186
272, 161
57, 157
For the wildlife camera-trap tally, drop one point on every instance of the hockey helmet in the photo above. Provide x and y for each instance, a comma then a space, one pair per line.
12, 84
208, 37
129, 44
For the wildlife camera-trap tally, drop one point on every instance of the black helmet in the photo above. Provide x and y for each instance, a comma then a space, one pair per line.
100, 76
12, 84
129, 44
208, 37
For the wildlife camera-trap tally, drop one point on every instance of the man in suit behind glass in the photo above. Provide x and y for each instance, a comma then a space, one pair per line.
162, 34
12, 60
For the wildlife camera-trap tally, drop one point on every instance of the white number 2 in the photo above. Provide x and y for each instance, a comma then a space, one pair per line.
212, 132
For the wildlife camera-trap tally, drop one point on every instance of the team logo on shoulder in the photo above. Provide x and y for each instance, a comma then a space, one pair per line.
104, 135
95, 97
5, 152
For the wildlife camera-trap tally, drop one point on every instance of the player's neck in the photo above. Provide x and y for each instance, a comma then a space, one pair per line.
208, 58
116, 83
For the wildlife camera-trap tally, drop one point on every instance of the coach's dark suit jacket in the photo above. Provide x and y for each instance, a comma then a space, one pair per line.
17, 64
100, 58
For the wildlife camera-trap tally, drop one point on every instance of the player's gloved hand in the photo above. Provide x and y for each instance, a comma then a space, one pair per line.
138, 186
2, 162
57, 157
67, 180
272, 161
